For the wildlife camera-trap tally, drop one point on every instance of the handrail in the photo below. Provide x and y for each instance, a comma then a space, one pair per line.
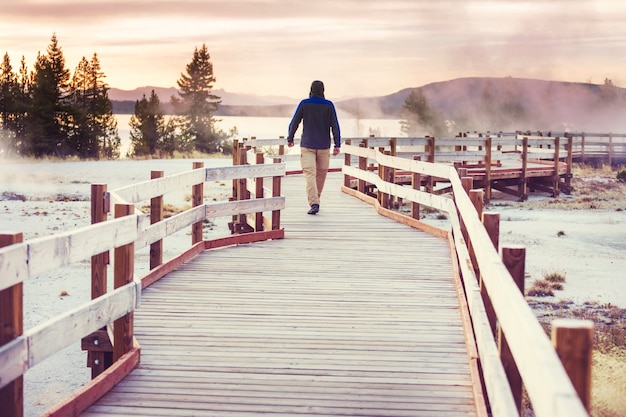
22, 261
550, 390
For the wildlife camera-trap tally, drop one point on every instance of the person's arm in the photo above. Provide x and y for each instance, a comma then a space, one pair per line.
293, 125
334, 126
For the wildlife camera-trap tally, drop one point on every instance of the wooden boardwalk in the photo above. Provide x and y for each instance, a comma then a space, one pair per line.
350, 314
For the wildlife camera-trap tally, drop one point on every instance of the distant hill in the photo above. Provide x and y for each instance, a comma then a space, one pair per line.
231, 103
508, 104
478, 103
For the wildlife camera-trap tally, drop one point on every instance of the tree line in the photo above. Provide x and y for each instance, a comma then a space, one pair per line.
50, 112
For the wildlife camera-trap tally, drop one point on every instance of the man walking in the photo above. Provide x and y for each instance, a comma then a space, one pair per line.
319, 119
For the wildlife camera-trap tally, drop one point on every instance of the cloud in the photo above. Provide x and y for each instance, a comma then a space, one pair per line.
366, 46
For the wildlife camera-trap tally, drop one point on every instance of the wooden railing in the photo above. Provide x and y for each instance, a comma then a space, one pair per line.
609, 148
131, 230
512, 347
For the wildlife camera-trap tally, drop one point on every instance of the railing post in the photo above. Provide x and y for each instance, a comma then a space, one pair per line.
276, 185
431, 158
100, 355
11, 327
570, 160
123, 270
242, 192
347, 160
363, 167
556, 178
488, 168
582, 147
416, 182
258, 220
197, 196
522, 189
235, 193
391, 171
573, 341
514, 258
156, 215
491, 221
610, 150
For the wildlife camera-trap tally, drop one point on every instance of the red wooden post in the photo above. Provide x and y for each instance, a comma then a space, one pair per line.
491, 221
416, 183
98, 359
346, 161
197, 195
11, 327
522, 189
514, 258
276, 183
258, 221
556, 178
363, 167
123, 270
156, 215
573, 340
488, 168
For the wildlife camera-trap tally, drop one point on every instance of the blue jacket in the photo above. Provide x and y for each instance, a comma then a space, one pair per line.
320, 118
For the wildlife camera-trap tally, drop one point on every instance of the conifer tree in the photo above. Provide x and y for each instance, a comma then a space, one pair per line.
93, 132
8, 104
197, 103
47, 116
147, 126
420, 115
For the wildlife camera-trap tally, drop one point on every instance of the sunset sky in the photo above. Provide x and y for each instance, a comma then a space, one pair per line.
357, 47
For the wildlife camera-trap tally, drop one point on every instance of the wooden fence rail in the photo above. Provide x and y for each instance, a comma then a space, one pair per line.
550, 389
128, 232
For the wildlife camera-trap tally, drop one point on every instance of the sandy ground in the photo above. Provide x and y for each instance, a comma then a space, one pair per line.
587, 245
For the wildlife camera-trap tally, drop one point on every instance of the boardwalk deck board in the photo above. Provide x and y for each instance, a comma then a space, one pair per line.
350, 314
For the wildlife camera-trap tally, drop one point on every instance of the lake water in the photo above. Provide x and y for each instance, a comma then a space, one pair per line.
274, 127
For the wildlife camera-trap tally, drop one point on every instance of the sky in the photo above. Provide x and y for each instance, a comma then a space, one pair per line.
359, 48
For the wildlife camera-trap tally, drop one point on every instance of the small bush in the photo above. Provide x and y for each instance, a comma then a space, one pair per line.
621, 176
540, 288
553, 277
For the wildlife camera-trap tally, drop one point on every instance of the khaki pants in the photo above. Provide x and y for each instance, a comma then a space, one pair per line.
315, 164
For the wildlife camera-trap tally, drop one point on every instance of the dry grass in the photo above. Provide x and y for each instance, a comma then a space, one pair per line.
594, 188
552, 281
609, 356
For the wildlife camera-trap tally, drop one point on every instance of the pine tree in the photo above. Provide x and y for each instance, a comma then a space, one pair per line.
420, 115
93, 128
147, 126
8, 104
47, 119
197, 103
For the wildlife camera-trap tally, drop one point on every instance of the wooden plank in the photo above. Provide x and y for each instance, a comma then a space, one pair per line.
21, 261
325, 335
44, 340
146, 190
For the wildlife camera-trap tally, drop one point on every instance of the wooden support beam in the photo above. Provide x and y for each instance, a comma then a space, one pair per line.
11, 327
514, 258
276, 190
197, 197
416, 182
156, 215
98, 361
123, 270
258, 191
573, 341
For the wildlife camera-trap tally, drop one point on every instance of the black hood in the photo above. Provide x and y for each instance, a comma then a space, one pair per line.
317, 89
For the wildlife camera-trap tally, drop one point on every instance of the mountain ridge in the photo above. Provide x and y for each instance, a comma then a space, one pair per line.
475, 103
